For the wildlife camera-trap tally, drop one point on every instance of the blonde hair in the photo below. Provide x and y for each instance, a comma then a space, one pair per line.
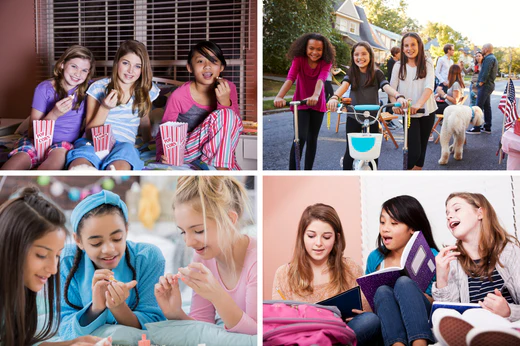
215, 197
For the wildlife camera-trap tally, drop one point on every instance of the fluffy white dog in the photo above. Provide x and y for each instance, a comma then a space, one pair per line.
457, 118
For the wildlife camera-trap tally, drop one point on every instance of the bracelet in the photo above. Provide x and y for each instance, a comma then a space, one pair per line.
399, 96
337, 97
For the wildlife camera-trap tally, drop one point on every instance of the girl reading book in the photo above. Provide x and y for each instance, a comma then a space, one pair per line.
403, 309
482, 267
319, 271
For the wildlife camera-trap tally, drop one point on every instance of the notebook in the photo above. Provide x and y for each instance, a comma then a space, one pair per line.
345, 302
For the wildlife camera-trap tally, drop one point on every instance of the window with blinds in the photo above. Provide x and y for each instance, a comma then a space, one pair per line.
168, 29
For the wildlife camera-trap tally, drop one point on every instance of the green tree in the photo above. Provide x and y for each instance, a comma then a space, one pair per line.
444, 34
342, 48
284, 21
386, 16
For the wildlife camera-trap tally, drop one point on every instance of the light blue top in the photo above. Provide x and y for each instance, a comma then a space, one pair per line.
375, 258
123, 119
148, 262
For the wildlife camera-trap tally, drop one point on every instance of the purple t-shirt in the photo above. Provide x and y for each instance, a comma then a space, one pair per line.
67, 126
307, 79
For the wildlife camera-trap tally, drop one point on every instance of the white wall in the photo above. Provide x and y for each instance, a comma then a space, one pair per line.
432, 189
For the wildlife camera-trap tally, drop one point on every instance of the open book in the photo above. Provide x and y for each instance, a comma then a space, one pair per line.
345, 302
459, 308
417, 262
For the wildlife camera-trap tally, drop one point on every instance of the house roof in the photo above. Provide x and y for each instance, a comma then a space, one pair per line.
367, 33
385, 32
431, 43
346, 8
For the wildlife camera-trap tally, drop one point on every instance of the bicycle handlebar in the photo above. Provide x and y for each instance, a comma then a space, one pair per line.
297, 103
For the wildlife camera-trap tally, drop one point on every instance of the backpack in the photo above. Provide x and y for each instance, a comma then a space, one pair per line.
295, 323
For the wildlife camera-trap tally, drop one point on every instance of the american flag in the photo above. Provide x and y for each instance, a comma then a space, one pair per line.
507, 105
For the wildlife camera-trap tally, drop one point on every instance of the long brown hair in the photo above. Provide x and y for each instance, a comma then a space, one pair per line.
355, 75
141, 87
73, 52
24, 220
420, 59
300, 271
493, 238
455, 75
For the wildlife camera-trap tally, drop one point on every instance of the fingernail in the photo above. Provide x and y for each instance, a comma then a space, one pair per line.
182, 279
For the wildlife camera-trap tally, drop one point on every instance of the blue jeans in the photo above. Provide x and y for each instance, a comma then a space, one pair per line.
484, 102
367, 328
403, 311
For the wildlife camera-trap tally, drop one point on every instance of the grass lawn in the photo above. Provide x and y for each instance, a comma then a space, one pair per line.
272, 87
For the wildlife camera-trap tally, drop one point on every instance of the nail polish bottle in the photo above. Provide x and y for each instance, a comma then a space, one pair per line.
144, 342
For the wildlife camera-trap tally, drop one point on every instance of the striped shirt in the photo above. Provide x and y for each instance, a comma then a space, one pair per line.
480, 287
123, 119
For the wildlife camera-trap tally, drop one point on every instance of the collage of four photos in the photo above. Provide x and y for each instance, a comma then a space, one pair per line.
148, 193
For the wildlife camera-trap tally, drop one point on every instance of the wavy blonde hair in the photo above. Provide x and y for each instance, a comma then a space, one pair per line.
215, 197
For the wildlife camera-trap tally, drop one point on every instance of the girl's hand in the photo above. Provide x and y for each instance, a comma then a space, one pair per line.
357, 312
312, 101
110, 101
414, 109
223, 93
201, 280
398, 110
63, 106
168, 296
118, 292
496, 303
332, 105
279, 102
442, 262
99, 287
164, 159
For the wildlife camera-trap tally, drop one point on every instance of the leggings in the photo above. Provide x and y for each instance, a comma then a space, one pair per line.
418, 135
354, 126
309, 124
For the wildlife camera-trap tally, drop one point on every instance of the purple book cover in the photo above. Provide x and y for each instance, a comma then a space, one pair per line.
417, 261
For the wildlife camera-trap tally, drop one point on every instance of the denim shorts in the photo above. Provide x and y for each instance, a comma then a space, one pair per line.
122, 151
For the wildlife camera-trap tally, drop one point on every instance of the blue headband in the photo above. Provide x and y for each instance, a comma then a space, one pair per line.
94, 201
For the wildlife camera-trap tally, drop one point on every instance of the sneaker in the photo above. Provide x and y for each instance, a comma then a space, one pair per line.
452, 331
490, 336
431, 138
488, 131
474, 131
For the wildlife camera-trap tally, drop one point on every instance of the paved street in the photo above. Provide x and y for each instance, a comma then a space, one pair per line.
479, 152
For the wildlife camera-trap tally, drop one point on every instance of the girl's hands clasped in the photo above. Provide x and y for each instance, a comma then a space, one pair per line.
168, 296
201, 280
442, 262
99, 288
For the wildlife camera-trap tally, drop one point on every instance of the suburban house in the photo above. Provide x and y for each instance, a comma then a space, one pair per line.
352, 23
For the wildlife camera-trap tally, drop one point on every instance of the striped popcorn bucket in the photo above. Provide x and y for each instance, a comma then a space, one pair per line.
174, 137
103, 140
43, 133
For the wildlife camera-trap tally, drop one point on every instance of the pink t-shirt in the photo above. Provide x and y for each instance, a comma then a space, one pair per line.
307, 78
244, 293
182, 107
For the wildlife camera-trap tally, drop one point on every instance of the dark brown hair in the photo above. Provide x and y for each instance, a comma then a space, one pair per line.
102, 210
355, 73
493, 238
73, 52
408, 210
142, 86
420, 60
300, 272
299, 47
23, 221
